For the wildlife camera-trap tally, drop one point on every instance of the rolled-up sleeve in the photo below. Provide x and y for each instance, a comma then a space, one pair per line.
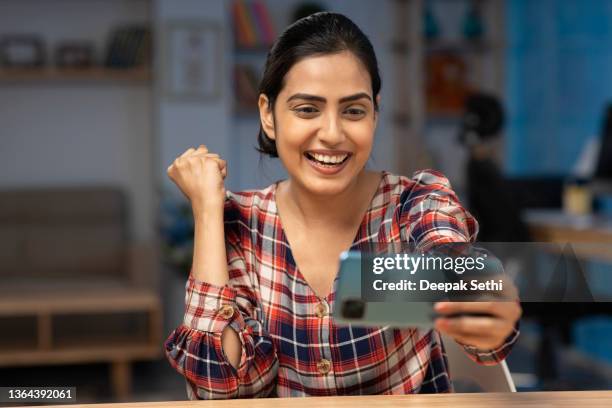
195, 348
431, 215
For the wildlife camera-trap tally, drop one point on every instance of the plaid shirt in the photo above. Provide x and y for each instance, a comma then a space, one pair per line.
290, 344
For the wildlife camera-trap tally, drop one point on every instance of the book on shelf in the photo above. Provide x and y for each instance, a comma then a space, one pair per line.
264, 22
252, 24
245, 32
129, 47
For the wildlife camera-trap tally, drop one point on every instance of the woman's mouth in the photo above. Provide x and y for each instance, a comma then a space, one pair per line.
326, 159
327, 163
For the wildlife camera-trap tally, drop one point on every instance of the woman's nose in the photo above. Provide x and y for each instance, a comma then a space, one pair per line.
331, 132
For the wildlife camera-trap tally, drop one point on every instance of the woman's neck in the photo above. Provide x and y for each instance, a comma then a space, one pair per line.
339, 209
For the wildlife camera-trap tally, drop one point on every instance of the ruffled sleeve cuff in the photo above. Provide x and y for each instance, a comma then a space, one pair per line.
211, 308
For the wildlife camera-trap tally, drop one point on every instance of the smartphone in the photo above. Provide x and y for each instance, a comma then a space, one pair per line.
351, 308
408, 309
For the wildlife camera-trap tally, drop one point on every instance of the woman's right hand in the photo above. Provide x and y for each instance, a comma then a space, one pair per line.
200, 176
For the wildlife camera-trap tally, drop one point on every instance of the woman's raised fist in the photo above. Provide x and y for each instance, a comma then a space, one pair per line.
200, 176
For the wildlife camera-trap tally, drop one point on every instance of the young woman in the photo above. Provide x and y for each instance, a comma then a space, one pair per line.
257, 320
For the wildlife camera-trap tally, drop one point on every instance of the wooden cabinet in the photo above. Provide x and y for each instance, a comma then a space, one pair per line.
90, 325
73, 288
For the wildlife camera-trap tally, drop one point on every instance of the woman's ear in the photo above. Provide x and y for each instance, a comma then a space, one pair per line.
266, 115
377, 111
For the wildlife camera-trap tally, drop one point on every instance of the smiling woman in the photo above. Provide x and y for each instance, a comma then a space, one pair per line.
322, 123
261, 289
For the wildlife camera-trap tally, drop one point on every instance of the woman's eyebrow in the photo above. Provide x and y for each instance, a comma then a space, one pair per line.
357, 96
307, 97
316, 98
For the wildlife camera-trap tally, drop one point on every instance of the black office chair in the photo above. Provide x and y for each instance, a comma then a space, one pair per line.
603, 170
490, 197
497, 201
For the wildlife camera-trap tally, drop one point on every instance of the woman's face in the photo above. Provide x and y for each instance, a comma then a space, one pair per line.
323, 122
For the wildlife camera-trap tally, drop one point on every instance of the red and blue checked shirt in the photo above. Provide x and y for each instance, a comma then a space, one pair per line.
291, 346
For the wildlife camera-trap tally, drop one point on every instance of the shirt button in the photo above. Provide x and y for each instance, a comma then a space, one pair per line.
324, 366
321, 310
226, 311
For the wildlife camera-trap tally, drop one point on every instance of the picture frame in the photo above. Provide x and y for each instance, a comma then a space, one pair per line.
192, 60
23, 51
74, 54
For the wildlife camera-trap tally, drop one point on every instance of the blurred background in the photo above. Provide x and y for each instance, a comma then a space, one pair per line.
510, 99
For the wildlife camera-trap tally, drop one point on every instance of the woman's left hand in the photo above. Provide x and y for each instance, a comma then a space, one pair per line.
494, 322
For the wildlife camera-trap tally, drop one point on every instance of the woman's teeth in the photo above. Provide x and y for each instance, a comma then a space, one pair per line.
328, 159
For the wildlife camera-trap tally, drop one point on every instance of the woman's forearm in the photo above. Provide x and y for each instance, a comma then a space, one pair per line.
209, 257
210, 265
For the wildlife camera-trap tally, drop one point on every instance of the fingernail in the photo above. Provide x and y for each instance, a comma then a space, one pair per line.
439, 306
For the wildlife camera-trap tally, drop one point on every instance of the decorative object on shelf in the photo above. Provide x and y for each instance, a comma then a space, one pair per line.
577, 197
191, 60
129, 46
482, 120
446, 86
431, 29
246, 92
22, 50
177, 231
74, 54
473, 26
253, 26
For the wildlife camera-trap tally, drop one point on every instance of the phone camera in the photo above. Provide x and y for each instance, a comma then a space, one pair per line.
353, 308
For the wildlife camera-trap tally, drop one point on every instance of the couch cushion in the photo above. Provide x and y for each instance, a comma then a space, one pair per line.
65, 204
12, 239
73, 250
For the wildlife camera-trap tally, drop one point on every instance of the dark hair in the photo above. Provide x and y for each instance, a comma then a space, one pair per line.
319, 33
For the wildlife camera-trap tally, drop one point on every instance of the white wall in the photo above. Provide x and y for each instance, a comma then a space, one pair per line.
183, 124
82, 133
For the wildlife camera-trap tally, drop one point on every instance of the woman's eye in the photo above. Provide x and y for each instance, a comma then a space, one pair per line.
306, 110
355, 112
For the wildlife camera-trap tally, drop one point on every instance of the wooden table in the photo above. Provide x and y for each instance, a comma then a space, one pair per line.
582, 399
591, 239
592, 234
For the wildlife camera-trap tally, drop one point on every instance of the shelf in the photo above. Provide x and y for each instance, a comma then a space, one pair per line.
109, 342
402, 47
86, 301
70, 75
18, 333
461, 46
92, 352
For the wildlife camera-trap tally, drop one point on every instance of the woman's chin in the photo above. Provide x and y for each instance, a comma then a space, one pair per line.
329, 182
329, 186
